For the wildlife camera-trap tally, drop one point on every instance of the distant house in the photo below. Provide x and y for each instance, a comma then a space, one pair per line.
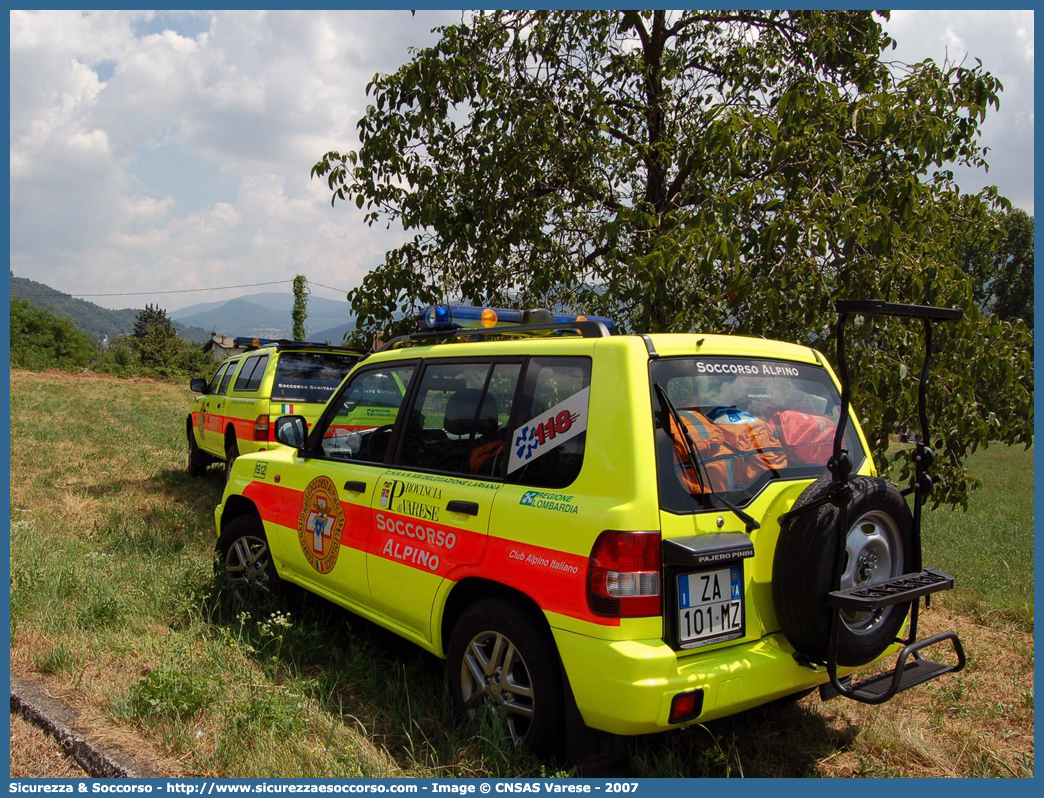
221, 346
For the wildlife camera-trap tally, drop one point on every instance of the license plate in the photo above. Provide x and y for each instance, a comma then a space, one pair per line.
710, 606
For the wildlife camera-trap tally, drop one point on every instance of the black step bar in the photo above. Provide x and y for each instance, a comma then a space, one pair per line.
906, 674
867, 598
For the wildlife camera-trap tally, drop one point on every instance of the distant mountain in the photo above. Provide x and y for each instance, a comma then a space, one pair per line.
267, 315
335, 335
93, 319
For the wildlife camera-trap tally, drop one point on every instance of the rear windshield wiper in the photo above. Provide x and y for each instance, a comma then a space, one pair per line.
697, 462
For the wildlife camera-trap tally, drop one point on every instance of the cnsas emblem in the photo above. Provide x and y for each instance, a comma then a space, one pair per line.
319, 526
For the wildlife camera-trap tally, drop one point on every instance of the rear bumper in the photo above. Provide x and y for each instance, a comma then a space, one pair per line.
626, 687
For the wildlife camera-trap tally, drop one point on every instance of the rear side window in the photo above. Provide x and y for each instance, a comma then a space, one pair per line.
459, 421
550, 434
310, 377
250, 375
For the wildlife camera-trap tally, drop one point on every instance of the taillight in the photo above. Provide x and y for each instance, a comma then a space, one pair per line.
261, 426
623, 577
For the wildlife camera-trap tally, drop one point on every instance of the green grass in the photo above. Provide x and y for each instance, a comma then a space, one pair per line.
113, 600
989, 548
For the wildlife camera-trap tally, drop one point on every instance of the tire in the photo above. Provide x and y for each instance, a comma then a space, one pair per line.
245, 566
878, 547
198, 460
505, 660
231, 453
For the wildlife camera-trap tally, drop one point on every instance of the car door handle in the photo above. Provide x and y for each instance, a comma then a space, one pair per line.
355, 486
468, 508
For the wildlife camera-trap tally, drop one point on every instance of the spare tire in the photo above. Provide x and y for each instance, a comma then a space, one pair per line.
878, 547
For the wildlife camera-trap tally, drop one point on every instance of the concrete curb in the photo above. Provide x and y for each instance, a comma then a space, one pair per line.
30, 701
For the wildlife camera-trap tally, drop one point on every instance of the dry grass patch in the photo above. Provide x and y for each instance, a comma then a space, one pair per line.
35, 755
975, 723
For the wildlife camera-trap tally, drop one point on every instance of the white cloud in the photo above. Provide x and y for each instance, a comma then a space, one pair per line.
173, 151
1003, 42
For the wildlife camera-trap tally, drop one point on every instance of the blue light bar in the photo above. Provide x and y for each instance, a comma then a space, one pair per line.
443, 318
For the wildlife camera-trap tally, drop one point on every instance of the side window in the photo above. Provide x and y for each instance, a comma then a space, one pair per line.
489, 452
360, 422
459, 421
216, 381
225, 380
547, 444
249, 378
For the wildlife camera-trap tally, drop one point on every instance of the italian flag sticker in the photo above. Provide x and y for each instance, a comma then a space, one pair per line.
287, 409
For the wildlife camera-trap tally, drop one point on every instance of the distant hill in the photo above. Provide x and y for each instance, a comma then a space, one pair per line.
335, 335
93, 319
267, 315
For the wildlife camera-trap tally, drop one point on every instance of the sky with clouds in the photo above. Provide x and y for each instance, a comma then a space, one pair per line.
157, 151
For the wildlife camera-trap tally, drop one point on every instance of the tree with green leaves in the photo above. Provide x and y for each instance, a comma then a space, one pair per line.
155, 338
152, 316
41, 340
730, 171
300, 311
999, 257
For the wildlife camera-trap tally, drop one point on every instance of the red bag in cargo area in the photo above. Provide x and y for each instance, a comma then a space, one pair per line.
807, 438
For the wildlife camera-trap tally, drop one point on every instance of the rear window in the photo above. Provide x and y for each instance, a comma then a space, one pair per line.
310, 377
751, 421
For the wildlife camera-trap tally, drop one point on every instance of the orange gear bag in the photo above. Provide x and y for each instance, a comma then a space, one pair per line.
753, 442
713, 451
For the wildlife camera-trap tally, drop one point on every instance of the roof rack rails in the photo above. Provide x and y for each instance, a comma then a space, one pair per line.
285, 343
586, 329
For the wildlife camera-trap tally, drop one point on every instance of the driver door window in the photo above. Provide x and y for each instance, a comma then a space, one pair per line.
360, 426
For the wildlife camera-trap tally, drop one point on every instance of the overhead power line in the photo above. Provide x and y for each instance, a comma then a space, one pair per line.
186, 290
343, 291
182, 290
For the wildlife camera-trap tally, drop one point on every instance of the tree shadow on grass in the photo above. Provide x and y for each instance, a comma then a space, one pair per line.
784, 738
395, 693
198, 494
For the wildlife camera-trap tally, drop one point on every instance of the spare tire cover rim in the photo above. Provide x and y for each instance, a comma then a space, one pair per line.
874, 554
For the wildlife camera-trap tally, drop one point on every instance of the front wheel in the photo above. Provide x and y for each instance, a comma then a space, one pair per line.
503, 661
245, 564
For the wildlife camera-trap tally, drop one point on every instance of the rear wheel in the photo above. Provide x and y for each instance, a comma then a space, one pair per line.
502, 661
231, 453
198, 460
878, 547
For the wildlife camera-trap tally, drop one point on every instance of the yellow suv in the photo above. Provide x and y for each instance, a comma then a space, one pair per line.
235, 411
626, 533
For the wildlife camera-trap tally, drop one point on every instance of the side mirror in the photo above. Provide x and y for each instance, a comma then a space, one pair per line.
198, 385
291, 431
